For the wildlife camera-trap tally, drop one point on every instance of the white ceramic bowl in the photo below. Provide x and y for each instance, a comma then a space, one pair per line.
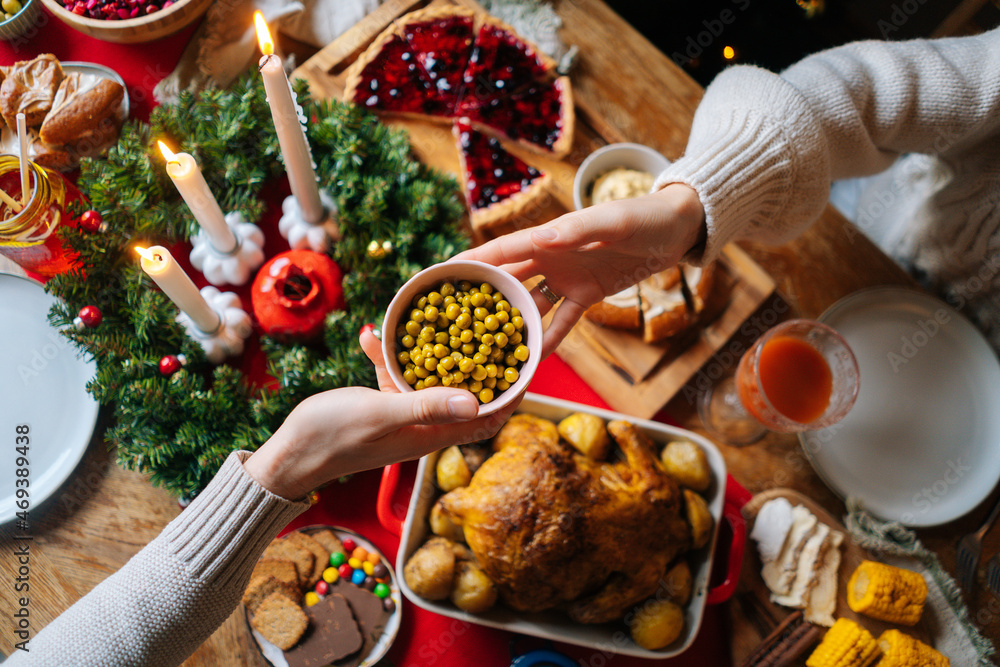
475, 272
629, 156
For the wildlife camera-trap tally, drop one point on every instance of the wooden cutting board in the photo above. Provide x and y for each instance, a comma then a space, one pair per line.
633, 377
753, 593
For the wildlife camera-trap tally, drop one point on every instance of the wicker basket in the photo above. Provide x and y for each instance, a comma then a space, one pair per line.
140, 29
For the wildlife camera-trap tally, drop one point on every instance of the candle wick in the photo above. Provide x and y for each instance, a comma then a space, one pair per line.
158, 257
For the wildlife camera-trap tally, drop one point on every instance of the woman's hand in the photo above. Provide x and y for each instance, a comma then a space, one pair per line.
347, 430
590, 254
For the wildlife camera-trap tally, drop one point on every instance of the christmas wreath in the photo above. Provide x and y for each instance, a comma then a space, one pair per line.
178, 427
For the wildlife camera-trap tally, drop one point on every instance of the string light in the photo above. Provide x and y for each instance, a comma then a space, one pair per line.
728, 53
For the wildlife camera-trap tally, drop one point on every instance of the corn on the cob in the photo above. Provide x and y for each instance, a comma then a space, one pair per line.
846, 644
887, 593
902, 650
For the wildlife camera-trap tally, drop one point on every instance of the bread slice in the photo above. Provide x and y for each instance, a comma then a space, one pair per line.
304, 559
280, 621
84, 108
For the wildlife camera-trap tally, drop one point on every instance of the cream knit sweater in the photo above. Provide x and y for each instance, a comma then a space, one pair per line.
764, 149
171, 596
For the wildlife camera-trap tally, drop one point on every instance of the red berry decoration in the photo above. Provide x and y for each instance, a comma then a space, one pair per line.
91, 221
170, 364
293, 293
90, 316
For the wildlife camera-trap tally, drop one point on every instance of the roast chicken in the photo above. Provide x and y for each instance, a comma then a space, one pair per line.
553, 528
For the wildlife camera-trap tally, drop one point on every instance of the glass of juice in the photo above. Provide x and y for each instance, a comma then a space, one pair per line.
799, 376
28, 224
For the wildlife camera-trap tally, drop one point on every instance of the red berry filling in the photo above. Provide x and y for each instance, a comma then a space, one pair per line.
394, 81
443, 47
534, 116
500, 64
491, 173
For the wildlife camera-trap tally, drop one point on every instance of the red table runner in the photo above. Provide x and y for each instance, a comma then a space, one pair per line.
424, 638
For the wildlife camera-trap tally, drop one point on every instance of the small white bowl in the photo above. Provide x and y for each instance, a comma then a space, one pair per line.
629, 156
477, 273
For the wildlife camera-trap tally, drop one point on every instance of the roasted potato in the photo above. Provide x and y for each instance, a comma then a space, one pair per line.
452, 470
523, 427
430, 571
473, 591
686, 462
587, 433
677, 583
656, 624
699, 518
441, 524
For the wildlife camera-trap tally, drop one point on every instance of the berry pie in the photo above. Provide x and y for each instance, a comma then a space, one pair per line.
497, 185
444, 63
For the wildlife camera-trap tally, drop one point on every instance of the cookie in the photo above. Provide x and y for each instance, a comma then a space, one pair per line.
283, 570
321, 557
286, 549
329, 540
262, 587
280, 621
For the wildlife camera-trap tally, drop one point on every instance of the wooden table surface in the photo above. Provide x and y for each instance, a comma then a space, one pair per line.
104, 514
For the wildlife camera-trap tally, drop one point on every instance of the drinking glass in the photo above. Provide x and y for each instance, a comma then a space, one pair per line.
27, 236
799, 376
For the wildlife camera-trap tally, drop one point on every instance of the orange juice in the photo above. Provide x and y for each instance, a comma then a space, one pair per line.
795, 378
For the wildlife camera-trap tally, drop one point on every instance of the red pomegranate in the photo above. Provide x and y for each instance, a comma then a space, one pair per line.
293, 293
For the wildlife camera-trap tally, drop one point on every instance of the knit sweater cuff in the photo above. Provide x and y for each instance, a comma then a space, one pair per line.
221, 533
756, 158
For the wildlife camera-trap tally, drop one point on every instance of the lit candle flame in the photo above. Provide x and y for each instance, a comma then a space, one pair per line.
263, 35
167, 153
728, 53
145, 253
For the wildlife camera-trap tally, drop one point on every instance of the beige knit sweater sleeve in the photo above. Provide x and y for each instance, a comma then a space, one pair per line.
764, 147
173, 594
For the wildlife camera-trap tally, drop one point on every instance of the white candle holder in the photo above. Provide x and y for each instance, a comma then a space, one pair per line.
234, 326
304, 234
233, 267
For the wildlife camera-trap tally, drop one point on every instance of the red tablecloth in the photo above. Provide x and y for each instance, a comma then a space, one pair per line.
424, 638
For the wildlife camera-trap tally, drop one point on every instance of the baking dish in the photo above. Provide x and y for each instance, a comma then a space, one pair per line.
553, 625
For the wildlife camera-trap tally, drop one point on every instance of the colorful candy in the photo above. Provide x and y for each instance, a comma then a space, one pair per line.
360, 553
374, 558
337, 559
349, 545
311, 599
381, 590
345, 571
380, 571
368, 567
322, 587
358, 577
369, 584
330, 575
354, 563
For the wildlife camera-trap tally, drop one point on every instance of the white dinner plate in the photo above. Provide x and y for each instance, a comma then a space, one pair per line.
43, 386
922, 443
